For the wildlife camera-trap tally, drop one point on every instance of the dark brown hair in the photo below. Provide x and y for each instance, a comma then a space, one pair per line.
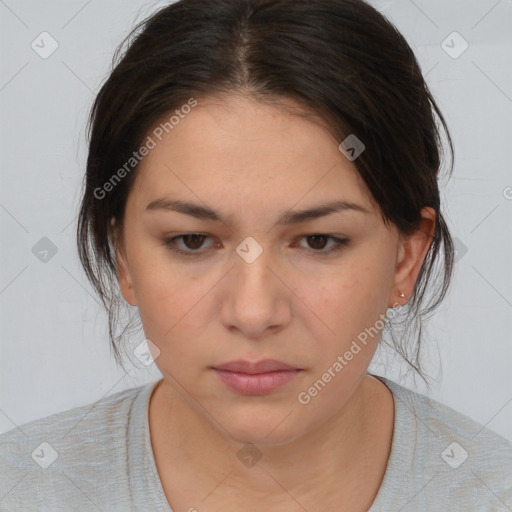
340, 59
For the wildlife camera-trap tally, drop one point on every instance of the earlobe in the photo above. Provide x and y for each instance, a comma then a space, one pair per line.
412, 252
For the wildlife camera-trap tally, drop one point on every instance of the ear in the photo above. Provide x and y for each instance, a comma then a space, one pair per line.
122, 268
411, 253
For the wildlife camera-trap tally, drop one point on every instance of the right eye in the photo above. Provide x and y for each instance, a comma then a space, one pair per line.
191, 241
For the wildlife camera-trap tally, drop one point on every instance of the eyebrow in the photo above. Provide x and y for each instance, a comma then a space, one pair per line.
288, 218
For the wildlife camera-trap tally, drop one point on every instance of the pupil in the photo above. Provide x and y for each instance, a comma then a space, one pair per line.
195, 245
317, 237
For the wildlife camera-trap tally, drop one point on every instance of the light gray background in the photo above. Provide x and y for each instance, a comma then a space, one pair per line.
54, 346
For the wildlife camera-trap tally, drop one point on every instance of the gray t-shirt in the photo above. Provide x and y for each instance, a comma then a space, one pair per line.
99, 457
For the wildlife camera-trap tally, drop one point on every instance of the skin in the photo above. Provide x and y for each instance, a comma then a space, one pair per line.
251, 162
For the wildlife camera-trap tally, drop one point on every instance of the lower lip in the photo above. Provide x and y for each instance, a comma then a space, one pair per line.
257, 384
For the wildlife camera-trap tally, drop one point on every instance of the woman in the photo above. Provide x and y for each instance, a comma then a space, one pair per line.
262, 185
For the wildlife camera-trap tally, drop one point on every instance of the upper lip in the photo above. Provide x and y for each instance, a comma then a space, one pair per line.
267, 365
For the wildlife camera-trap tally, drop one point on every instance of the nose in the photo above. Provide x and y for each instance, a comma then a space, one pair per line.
256, 299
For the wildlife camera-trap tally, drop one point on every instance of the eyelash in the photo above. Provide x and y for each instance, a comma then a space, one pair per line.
339, 243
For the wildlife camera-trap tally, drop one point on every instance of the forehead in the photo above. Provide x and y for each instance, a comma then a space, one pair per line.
236, 150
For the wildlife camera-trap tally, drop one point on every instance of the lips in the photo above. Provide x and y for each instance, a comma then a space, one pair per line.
256, 378
265, 366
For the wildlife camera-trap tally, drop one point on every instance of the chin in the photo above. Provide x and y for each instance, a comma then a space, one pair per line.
263, 429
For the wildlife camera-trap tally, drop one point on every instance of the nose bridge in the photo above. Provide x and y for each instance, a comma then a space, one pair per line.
254, 301
252, 263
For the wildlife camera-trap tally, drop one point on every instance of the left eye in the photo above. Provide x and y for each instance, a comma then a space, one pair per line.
194, 241
321, 240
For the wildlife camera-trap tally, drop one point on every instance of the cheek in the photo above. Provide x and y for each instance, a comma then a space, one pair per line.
167, 320
172, 306
349, 304
163, 298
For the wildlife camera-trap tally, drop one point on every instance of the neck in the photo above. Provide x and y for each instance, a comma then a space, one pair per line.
353, 444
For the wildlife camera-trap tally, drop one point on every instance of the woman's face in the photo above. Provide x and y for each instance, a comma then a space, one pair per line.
251, 286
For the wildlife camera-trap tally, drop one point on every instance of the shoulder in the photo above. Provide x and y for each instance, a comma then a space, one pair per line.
74, 451
447, 458
442, 421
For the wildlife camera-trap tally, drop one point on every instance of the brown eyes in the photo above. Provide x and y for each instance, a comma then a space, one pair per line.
191, 243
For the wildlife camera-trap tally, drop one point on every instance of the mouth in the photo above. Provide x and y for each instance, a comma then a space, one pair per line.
256, 378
